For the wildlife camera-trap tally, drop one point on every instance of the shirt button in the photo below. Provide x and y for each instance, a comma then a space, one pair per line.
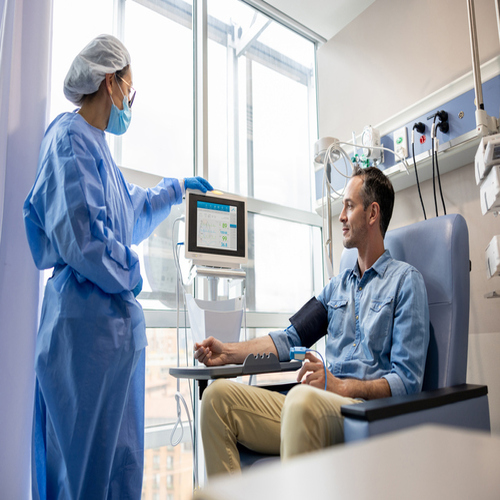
360, 288
354, 345
357, 317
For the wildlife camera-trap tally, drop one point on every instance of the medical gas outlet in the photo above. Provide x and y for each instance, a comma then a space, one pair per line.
401, 143
370, 138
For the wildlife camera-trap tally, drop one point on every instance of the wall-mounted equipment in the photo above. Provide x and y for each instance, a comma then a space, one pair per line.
493, 257
487, 155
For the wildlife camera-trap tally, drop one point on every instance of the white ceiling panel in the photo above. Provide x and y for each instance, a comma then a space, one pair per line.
324, 17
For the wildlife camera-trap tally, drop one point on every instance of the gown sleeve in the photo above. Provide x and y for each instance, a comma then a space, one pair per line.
152, 206
68, 204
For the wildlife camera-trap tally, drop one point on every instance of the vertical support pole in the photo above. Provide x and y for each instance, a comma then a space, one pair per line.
251, 300
200, 167
116, 141
232, 118
200, 40
476, 70
213, 285
483, 122
497, 8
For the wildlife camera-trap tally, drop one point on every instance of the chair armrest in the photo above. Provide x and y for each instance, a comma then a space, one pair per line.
378, 409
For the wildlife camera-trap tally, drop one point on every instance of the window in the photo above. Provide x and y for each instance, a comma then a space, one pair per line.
158, 36
170, 481
260, 84
69, 37
287, 269
261, 123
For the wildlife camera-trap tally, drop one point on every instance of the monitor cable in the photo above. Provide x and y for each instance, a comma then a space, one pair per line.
443, 125
300, 354
433, 133
179, 398
420, 128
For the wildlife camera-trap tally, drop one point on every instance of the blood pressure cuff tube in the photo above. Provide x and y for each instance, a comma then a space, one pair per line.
310, 322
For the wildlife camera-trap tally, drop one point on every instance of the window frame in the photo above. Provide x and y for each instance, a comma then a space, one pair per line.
159, 435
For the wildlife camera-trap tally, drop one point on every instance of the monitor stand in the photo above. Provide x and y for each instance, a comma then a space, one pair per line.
214, 273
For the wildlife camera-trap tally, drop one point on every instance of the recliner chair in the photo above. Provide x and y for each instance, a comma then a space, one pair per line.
439, 249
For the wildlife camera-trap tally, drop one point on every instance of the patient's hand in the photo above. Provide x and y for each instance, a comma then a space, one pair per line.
211, 352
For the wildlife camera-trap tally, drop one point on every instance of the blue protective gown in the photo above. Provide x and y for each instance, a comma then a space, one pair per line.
81, 218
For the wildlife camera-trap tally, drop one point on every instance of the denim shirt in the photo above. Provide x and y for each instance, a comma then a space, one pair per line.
378, 325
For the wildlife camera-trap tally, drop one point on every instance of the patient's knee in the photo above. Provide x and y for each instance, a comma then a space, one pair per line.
215, 394
216, 390
300, 404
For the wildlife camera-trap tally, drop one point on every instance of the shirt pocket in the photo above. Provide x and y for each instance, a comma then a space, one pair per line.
380, 315
337, 316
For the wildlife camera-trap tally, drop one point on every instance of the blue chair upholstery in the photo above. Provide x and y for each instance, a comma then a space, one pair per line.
439, 249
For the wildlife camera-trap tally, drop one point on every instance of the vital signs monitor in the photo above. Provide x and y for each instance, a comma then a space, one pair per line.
216, 229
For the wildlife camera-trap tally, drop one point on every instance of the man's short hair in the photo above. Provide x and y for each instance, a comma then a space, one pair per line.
377, 188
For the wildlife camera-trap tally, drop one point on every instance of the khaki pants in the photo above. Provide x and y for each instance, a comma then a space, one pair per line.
304, 420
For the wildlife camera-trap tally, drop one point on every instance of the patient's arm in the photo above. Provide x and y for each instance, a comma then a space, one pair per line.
213, 352
313, 373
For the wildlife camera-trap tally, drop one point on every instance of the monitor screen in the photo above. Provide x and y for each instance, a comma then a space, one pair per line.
216, 229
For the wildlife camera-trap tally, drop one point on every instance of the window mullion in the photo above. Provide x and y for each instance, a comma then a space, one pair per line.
116, 141
249, 113
200, 41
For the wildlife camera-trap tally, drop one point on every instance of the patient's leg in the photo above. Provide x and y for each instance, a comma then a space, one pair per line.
311, 420
232, 412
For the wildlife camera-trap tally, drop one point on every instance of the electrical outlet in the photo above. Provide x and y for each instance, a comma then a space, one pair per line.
401, 143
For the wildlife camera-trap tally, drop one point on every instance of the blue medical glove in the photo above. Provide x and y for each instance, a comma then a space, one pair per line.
137, 290
197, 183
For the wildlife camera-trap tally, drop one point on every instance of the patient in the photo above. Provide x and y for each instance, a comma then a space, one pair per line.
376, 320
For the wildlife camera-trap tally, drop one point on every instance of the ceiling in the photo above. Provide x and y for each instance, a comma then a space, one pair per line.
324, 17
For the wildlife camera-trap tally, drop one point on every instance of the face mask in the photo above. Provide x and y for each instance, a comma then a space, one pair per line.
119, 120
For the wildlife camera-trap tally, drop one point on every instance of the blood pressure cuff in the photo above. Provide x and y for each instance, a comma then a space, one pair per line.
310, 322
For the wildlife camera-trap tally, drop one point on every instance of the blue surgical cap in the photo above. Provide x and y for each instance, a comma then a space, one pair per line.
104, 54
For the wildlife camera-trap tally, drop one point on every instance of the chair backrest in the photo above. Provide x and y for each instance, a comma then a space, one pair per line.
439, 249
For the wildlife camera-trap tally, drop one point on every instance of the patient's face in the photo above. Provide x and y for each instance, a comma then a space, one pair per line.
353, 217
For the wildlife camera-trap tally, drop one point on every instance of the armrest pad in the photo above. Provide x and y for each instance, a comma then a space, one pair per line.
378, 409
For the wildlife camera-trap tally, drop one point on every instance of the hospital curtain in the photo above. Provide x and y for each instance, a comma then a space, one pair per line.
25, 30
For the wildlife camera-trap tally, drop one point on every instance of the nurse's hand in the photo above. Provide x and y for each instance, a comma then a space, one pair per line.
198, 183
210, 352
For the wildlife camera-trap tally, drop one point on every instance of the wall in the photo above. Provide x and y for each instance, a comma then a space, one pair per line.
384, 61
393, 55
24, 62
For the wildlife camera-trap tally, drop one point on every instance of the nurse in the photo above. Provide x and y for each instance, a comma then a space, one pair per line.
81, 219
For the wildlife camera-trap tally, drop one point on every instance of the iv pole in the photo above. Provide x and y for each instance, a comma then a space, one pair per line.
485, 124
497, 8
